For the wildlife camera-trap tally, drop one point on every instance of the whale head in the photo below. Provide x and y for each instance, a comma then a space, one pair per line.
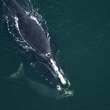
57, 72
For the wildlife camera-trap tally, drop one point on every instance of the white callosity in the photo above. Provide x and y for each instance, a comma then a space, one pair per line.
53, 64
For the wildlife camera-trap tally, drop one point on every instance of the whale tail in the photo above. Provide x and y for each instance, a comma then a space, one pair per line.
18, 74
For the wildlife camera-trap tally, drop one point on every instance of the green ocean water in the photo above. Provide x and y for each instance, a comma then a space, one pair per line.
81, 30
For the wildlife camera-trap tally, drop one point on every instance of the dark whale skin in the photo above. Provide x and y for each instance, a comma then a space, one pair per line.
31, 32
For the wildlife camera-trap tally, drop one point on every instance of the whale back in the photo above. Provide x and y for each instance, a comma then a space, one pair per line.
31, 31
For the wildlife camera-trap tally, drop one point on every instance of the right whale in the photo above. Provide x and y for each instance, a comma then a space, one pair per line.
37, 41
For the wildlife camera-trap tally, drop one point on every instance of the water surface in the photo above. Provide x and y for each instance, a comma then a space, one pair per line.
81, 30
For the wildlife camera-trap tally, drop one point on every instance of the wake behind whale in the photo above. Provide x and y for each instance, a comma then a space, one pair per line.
36, 40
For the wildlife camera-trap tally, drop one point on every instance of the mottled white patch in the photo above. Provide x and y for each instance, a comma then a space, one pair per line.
46, 79
59, 88
31, 64
50, 82
62, 79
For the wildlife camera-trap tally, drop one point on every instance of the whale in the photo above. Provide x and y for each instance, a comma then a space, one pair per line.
37, 41
41, 89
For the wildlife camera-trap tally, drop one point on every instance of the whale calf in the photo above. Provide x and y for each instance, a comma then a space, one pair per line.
37, 41
41, 89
